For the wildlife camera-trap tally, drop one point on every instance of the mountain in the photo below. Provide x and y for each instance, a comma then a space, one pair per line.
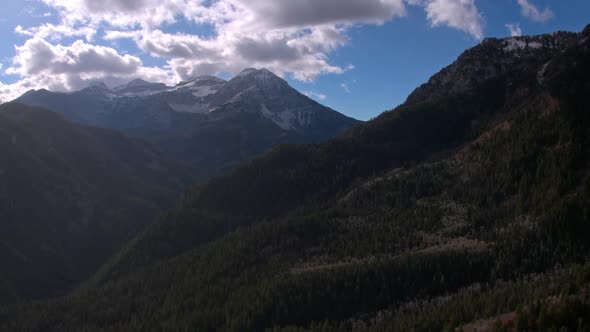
262, 92
70, 196
466, 207
139, 87
492, 58
248, 115
206, 121
101, 107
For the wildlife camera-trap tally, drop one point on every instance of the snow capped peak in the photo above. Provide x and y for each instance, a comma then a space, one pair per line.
201, 80
259, 77
201, 86
263, 72
139, 87
99, 89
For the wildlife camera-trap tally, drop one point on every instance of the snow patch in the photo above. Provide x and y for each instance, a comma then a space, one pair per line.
535, 45
289, 119
200, 87
284, 119
513, 44
204, 91
142, 93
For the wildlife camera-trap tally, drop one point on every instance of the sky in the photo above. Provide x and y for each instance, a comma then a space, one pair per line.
360, 57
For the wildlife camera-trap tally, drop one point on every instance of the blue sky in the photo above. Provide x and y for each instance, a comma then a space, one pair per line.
360, 57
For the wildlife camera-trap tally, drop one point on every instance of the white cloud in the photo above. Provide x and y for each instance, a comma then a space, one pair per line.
514, 29
70, 67
286, 36
462, 15
315, 95
531, 11
302, 53
37, 56
120, 13
56, 32
10, 92
289, 13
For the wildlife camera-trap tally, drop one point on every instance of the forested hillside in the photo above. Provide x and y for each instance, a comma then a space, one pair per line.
70, 196
466, 207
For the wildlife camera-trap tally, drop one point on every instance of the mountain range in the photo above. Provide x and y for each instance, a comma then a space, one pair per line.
244, 116
465, 208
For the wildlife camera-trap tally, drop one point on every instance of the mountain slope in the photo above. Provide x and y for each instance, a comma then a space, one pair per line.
206, 121
70, 196
262, 92
432, 204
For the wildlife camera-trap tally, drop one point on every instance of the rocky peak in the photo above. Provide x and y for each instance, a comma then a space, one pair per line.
139, 87
98, 85
98, 89
138, 82
491, 58
247, 72
262, 80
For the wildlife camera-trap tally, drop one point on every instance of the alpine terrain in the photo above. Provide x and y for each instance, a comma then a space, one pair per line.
208, 122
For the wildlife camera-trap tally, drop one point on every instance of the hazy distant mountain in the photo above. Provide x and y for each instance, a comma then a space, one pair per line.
207, 121
70, 196
469, 203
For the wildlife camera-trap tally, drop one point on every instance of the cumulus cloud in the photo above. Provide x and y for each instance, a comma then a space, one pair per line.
531, 11
289, 13
69, 67
302, 53
514, 29
10, 92
288, 37
37, 56
120, 13
56, 32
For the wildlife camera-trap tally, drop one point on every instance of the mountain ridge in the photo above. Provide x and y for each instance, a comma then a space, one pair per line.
491, 58
191, 118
